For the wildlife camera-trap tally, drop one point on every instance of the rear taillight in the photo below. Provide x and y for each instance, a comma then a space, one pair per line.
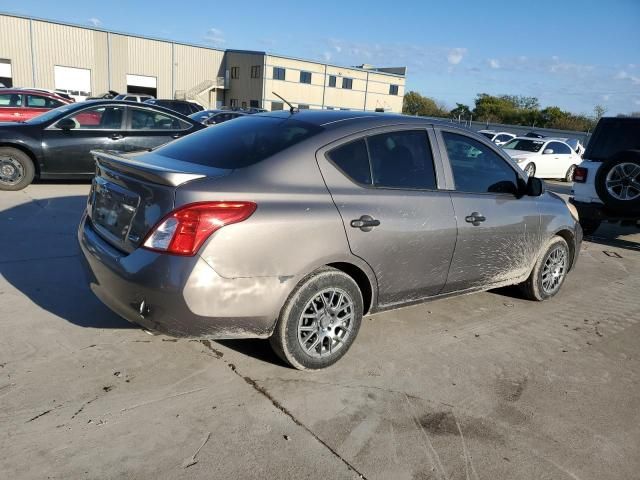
580, 174
184, 230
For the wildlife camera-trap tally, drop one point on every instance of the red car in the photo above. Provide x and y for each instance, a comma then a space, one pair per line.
18, 105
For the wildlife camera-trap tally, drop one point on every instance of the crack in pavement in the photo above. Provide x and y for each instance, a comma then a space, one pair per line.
265, 393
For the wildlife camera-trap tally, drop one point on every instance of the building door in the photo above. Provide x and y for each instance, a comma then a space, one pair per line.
142, 84
6, 78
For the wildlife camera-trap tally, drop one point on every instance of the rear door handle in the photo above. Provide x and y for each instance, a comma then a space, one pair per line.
475, 219
365, 223
116, 136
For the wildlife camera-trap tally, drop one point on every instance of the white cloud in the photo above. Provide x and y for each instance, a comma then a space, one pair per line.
623, 75
214, 37
605, 97
326, 56
493, 63
94, 21
455, 55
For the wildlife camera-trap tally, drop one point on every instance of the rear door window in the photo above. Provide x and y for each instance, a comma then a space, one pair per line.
477, 168
143, 119
353, 160
243, 142
99, 118
559, 148
402, 159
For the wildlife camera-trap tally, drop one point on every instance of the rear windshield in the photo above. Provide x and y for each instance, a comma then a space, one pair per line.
612, 136
243, 142
524, 145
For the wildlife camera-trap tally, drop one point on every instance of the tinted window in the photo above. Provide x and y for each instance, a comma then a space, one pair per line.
477, 168
305, 77
243, 142
353, 160
278, 73
200, 116
503, 138
255, 71
276, 106
525, 145
489, 135
103, 118
559, 148
235, 72
254, 103
612, 136
402, 160
42, 102
332, 81
10, 100
142, 119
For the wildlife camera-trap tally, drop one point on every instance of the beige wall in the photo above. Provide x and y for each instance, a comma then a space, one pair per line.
244, 88
194, 65
378, 92
15, 46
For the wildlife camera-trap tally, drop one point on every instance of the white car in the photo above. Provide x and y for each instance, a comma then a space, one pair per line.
499, 138
606, 186
133, 97
543, 157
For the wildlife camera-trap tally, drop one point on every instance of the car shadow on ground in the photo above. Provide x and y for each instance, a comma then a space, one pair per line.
256, 348
627, 238
39, 257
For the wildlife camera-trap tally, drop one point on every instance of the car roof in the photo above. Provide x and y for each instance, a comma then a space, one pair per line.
112, 101
23, 91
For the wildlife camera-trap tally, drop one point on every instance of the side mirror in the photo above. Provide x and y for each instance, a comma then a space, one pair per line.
535, 187
66, 124
548, 151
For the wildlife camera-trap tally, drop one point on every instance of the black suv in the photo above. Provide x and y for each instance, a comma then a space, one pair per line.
181, 106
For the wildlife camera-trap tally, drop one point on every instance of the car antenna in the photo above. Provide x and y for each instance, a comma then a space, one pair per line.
292, 109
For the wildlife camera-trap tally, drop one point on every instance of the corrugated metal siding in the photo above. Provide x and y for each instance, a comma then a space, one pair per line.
15, 45
151, 58
99, 79
194, 65
61, 45
119, 62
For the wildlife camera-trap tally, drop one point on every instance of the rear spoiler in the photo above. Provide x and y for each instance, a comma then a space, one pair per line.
154, 172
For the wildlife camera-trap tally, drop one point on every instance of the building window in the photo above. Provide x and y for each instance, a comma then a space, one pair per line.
329, 108
393, 89
344, 109
255, 71
347, 83
235, 72
332, 80
254, 103
302, 106
279, 73
233, 103
305, 77
244, 105
6, 78
276, 106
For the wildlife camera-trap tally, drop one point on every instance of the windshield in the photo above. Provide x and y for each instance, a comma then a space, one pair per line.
612, 136
51, 114
489, 135
243, 142
524, 145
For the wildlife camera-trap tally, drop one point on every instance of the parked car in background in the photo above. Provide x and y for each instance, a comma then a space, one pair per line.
57, 143
606, 185
104, 96
574, 143
213, 117
543, 158
293, 226
499, 138
60, 93
133, 97
18, 105
533, 135
181, 106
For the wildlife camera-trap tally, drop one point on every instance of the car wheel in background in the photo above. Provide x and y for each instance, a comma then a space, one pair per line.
16, 169
549, 272
530, 170
319, 321
589, 225
618, 182
569, 175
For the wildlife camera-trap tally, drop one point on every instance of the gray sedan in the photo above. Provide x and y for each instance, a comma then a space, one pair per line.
292, 226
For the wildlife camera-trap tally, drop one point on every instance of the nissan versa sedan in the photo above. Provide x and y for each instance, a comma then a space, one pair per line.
57, 144
292, 226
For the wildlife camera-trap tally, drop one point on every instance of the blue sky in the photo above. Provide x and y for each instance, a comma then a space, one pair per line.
574, 54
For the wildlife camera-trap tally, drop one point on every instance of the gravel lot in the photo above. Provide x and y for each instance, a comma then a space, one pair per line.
484, 386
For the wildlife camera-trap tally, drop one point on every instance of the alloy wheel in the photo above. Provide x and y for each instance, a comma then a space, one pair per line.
325, 323
530, 170
623, 181
554, 269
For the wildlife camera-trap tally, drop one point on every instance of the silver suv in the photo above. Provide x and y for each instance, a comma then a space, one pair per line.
292, 226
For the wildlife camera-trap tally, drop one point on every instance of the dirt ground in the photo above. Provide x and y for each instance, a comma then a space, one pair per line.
486, 386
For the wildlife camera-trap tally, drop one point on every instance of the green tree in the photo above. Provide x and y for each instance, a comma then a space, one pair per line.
416, 104
461, 111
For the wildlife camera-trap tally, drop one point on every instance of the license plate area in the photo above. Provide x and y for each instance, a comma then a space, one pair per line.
112, 210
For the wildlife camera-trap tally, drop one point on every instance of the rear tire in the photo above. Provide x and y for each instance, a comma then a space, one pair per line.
319, 321
16, 169
618, 183
530, 170
569, 175
549, 272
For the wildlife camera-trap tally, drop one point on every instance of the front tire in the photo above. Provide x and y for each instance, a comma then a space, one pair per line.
549, 272
319, 321
16, 169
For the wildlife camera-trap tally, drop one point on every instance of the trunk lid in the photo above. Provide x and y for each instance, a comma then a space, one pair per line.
131, 193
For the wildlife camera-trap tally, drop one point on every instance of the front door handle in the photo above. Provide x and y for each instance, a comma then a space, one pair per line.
177, 135
475, 219
365, 223
116, 136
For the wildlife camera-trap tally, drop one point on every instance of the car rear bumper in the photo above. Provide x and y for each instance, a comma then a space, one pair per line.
180, 296
598, 211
